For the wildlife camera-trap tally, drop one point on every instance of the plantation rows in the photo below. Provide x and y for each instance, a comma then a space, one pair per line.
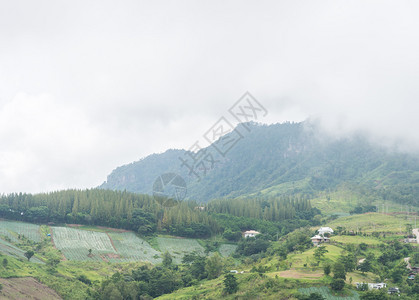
227, 249
75, 244
13, 229
179, 247
84, 245
132, 248
327, 295
124, 247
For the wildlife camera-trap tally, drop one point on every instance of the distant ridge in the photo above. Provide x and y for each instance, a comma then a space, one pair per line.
281, 159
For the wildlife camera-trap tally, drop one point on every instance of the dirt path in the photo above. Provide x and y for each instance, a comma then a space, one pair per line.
296, 274
113, 245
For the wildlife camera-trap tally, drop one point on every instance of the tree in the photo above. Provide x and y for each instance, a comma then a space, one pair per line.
337, 284
397, 274
53, 262
365, 266
213, 266
320, 252
230, 284
375, 295
327, 268
90, 252
339, 271
363, 246
29, 254
196, 266
232, 235
83, 278
5, 262
249, 246
167, 259
163, 281
349, 261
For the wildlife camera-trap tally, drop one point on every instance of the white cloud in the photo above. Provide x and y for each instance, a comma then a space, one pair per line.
87, 86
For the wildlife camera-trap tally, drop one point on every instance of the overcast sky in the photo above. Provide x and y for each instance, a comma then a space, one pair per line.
86, 86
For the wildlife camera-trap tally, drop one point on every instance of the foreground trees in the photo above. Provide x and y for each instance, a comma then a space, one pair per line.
146, 282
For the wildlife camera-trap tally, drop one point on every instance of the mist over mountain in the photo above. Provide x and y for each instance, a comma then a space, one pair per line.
278, 159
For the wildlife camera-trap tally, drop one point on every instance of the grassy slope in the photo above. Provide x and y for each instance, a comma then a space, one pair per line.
63, 278
251, 286
300, 269
370, 222
280, 282
355, 240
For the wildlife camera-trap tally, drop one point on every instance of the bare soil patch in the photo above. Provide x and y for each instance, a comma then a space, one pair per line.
105, 257
26, 288
299, 274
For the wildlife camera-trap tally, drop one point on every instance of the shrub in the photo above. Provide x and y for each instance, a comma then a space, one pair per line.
337, 284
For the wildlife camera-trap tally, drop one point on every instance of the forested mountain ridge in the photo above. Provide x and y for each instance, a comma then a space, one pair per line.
281, 159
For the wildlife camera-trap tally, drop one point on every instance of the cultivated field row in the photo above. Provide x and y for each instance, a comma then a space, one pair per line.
85, 245
12, 230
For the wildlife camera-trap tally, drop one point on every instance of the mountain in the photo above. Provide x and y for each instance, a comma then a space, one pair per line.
279, 159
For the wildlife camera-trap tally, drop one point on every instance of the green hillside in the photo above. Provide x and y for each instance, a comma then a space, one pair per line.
281, 159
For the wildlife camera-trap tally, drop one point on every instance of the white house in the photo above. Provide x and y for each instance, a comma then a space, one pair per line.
323, 230
376, 286
393, 290
410, 240
251, 233
372, 286
317, 239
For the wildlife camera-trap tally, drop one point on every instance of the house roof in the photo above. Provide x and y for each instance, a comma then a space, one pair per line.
251, 232
318, 237
325, 229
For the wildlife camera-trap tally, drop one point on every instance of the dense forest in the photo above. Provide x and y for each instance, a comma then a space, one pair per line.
281, 159
143, 214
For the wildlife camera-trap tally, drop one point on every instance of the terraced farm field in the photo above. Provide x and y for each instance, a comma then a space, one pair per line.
12, 229
132, 248
106, 245
75, 244
178, 247
9, 249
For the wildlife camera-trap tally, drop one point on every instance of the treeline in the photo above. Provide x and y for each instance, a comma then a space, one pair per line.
361, 209
274, 209
143, 214
140, 213
273, 217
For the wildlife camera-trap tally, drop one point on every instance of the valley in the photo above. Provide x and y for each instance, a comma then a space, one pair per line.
287, 267
119, 242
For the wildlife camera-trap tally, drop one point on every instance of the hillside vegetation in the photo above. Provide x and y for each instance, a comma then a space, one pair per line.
281, 159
